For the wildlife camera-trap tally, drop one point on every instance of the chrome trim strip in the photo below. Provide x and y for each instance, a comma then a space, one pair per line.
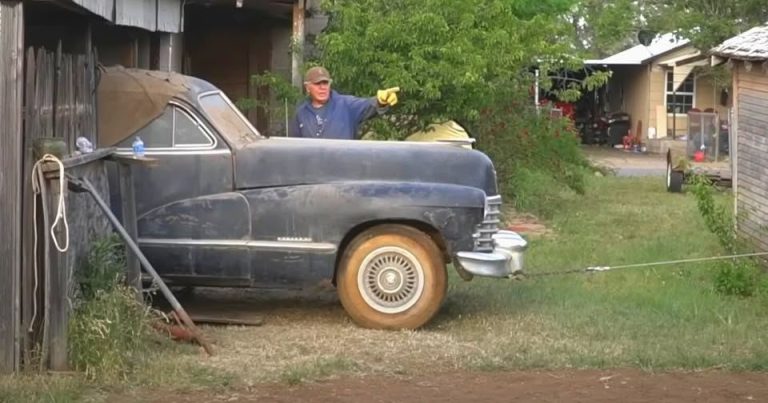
128, 151
234, 243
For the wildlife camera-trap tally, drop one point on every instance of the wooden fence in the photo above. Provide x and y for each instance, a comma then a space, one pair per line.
11, 70
59, 92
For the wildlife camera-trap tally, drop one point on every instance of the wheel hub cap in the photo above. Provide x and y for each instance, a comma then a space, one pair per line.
391, 279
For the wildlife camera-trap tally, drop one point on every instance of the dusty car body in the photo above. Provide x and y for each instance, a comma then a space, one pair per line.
221, 205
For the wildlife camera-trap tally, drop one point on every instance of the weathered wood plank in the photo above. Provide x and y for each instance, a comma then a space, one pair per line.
753, 141
749, 118
57, 292
752, 112
752, 170
133, 274
753, 190
755, 234
11, 147
751, 159
28, 256
751, 210
751, 199
755, 167
752, 85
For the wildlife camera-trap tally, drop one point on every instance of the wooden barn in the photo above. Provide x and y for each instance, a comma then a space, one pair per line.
49, 56
747, 57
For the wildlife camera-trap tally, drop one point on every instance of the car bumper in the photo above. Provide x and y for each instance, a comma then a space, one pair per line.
504, 261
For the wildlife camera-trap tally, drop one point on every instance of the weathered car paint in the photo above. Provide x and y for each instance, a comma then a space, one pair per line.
328, 212
292, 161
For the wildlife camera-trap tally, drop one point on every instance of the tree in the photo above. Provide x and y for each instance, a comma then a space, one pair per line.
452, 59
706, 23
603, 27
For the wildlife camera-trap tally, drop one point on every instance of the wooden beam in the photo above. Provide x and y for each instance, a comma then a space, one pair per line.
11, 93
297, 43
127, 194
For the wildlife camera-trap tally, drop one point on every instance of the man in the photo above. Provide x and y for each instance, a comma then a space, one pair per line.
330, 115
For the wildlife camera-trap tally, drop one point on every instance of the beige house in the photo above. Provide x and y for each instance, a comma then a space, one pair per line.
657, 85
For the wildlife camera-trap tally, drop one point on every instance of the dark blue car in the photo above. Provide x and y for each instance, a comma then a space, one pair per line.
225, 206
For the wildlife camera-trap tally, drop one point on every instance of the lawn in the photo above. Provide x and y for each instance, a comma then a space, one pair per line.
653, 318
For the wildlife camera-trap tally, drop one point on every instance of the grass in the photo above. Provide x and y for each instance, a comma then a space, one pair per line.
659, 318
664, 318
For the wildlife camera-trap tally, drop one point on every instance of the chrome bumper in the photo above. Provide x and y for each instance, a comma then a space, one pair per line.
505, 260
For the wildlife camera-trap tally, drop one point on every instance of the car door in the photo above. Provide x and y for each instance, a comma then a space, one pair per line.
192, 226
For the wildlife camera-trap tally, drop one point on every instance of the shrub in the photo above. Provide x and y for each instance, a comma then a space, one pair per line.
538, 159
109, 328
734, 277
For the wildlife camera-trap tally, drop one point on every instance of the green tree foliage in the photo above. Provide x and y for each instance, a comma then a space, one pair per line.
706, 23
603, 27
451, 59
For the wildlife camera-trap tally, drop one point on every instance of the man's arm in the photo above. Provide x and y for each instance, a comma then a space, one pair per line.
364, 108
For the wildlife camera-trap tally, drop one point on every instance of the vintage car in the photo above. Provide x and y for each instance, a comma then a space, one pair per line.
218, 204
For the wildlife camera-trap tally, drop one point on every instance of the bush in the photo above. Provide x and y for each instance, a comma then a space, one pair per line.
109, 329
538, 159
741, 277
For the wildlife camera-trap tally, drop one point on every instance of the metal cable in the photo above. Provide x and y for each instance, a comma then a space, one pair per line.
591, 269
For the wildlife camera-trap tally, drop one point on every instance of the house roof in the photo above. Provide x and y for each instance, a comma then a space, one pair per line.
641, 54
750, 45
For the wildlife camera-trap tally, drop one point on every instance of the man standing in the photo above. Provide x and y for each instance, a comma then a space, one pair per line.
330, 115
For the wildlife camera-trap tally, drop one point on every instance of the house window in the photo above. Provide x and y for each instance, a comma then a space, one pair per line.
681, 100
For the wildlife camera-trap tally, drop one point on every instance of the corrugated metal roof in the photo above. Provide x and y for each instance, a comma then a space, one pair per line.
751, 45
152, 15
641, 54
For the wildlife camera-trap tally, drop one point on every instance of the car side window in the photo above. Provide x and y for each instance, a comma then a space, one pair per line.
175, 128
157, 134
187, 132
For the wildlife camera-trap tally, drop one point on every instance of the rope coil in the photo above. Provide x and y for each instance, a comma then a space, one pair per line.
61, 215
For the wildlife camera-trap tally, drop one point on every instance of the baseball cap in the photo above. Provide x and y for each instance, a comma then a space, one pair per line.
317, 74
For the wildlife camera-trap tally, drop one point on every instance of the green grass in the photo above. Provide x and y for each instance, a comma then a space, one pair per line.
655, 318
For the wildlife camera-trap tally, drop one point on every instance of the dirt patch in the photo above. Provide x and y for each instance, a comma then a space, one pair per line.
524, 224
623, 385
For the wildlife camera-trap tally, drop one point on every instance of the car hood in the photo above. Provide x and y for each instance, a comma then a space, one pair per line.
276, 162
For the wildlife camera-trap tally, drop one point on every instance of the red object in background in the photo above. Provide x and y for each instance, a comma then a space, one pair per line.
568, 108
698, 156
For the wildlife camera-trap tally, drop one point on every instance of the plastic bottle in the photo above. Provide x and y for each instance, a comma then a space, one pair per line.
138, 147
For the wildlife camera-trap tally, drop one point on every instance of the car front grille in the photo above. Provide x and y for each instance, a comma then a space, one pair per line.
489, 226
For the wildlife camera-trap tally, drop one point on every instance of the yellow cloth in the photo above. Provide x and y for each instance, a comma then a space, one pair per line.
449, 130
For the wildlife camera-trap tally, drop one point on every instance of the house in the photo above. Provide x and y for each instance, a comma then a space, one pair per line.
747, 56
657, 85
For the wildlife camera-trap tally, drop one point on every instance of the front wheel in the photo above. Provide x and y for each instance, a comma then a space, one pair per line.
392, 277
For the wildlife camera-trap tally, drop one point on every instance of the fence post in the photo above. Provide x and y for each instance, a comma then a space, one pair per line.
11, 87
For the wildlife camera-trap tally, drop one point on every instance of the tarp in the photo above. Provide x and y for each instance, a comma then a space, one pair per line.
128, 99
449, 130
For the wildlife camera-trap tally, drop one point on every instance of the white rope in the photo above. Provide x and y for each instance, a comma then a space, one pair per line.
61, 214
679, 261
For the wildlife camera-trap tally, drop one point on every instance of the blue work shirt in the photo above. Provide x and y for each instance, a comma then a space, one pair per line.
339, 118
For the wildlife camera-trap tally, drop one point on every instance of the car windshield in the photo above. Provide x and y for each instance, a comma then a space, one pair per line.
227, 119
